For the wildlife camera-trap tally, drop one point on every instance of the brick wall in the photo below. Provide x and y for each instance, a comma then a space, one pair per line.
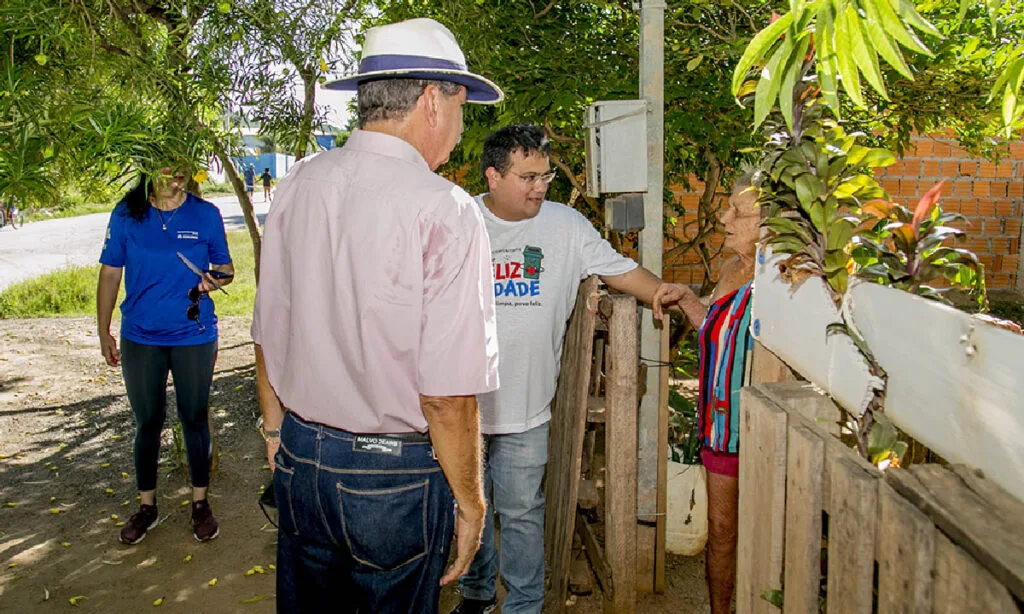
989, 195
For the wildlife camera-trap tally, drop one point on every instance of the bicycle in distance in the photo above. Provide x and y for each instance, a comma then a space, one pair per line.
11, 215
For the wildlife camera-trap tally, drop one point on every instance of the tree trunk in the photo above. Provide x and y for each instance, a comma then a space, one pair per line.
708, 213
308, 108
243, 198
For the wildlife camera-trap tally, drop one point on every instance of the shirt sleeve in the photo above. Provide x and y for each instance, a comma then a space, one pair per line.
597, 256
219, 253
459, 340
113, 253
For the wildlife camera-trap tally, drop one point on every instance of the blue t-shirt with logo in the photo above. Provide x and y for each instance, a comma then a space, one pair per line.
156, 281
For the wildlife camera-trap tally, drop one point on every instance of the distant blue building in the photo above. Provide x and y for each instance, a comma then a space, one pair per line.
278, 163
326, 141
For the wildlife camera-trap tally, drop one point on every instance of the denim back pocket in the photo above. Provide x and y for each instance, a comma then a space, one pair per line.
283, 478
385, 528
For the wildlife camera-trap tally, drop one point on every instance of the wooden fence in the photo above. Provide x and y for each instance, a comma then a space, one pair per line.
824, 531
597, 386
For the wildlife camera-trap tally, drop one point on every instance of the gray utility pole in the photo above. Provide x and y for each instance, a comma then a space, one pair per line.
650, 450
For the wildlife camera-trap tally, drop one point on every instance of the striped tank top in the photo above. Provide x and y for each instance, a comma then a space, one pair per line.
725, 347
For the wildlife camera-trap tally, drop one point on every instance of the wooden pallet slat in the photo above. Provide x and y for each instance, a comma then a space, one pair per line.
851, 533
906, 555
762, 484
804, 491
595, 554
962, 585
621, 454
568, 422
978, 516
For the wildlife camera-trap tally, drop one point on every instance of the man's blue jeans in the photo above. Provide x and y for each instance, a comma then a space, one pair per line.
359, 532
513, 472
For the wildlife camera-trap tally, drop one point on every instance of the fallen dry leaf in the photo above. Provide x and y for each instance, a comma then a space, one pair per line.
74, 600
252, 599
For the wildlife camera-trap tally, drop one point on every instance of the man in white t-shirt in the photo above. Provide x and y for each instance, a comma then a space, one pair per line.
540, 251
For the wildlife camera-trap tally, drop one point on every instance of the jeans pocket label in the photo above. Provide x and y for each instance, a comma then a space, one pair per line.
377, 445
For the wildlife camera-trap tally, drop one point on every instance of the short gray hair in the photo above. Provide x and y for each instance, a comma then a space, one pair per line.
387, 99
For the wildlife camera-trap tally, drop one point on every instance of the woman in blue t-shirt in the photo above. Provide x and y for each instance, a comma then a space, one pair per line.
168, 324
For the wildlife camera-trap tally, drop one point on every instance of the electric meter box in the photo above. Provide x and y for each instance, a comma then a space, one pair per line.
616, 147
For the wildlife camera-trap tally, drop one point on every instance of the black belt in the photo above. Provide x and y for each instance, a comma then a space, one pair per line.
412, 437
403, 437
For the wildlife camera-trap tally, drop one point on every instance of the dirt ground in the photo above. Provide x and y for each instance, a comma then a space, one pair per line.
65, 484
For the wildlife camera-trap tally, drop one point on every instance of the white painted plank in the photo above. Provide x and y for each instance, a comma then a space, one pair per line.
967, 407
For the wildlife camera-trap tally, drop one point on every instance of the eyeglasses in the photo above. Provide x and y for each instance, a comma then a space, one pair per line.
192, 313
533, 178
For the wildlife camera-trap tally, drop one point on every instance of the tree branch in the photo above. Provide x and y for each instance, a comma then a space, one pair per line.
551, 134
591, 204
545, 11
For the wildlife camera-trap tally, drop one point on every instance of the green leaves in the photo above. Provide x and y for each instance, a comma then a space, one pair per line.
849, 36
881, 439
758, 49
1009, 86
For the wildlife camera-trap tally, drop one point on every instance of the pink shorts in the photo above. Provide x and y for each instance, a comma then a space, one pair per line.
721, 463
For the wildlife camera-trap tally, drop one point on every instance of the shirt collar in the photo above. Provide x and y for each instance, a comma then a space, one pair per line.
385, 145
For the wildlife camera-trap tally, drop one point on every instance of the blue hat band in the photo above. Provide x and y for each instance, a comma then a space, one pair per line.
376, 63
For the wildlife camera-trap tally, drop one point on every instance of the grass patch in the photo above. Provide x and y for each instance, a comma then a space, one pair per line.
71, 291
212, 188
36, 215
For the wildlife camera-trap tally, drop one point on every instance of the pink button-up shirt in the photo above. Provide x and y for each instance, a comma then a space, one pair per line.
375, 287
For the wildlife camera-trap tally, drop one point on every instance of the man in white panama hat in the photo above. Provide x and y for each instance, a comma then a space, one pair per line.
374, 322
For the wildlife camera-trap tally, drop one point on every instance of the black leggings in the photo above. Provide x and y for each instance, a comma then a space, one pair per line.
145, 369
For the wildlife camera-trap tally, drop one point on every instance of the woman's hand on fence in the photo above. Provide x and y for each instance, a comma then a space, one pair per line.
108, 345
670, 295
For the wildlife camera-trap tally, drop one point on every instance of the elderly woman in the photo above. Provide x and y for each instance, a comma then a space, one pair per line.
725, 348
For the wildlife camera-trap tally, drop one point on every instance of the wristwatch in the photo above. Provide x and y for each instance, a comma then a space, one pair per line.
267, 434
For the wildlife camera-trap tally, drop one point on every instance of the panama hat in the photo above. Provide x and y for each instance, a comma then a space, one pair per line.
417, 49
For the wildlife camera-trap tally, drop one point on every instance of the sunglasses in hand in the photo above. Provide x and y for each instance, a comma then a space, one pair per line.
192, 313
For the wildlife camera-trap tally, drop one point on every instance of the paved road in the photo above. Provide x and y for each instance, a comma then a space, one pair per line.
41, 247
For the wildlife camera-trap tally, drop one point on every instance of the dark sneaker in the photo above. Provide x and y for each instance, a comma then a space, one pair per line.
204, 525
139, 524
476, 606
